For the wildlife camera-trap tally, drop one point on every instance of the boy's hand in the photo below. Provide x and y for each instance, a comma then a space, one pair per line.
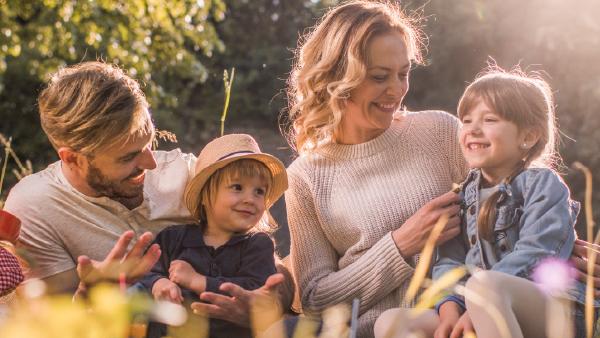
449, 317
182, 273
463, 326
164, 289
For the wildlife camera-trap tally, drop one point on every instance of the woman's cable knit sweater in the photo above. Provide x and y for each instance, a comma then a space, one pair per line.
344, 201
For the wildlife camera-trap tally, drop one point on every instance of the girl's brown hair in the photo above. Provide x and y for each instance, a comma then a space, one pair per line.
243, 168
331, 61
525, 100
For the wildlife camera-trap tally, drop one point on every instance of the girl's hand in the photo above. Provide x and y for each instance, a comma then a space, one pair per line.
410, 238
463, 326
579, 258
182, 273
449, 316
164, 289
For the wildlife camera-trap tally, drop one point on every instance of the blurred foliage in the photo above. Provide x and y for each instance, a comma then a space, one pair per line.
161, 43
180, 48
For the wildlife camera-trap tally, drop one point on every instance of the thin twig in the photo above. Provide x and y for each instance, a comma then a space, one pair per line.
228, 82
591, 254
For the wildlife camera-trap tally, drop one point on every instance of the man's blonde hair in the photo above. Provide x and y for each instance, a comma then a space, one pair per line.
331, 60
93, 105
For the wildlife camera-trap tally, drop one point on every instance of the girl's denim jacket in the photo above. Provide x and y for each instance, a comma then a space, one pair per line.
535, 219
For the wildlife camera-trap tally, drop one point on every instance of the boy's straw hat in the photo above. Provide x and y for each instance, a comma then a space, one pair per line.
220, 152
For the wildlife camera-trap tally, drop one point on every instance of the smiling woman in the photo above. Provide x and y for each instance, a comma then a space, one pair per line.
364, 191
371, 106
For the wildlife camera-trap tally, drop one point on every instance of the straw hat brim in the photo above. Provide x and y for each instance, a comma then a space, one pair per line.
277, 169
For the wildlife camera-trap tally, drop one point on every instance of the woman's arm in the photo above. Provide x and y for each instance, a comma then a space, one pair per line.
379, 270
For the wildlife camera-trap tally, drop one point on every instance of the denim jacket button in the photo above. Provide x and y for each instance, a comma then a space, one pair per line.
473, 240
472, 210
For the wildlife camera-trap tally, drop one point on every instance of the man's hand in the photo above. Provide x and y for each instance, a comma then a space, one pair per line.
182, 273
579, 258
164, 289
132, 264
236, 307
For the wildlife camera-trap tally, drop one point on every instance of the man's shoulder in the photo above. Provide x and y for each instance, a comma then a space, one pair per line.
37, 187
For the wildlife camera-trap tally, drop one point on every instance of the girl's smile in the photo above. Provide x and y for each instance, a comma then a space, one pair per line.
491, 143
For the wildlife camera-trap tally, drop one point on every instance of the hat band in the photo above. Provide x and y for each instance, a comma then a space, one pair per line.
235, 153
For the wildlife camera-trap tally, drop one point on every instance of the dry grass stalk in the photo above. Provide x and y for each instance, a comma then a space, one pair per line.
305, 328
266, 314
591, 254
420, 271
431, 295
6, 153
425, 259
6, 143
335, 322
228, 82
164, 135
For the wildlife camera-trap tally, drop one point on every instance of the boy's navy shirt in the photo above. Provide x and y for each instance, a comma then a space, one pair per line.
246, 260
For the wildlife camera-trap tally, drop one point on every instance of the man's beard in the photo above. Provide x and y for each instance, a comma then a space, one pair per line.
131, 197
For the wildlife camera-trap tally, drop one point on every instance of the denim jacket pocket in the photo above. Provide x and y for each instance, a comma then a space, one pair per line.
506, 230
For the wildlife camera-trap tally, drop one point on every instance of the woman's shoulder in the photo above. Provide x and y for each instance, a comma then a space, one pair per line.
428, 119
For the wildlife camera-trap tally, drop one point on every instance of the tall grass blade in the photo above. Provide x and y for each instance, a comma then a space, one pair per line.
425, 259
228, 82
6, 153
591, 254
431, 295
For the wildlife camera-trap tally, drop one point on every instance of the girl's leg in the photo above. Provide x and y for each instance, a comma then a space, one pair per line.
518, 301
397, 323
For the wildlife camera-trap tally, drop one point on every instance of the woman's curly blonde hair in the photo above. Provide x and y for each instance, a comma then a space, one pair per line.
331, 61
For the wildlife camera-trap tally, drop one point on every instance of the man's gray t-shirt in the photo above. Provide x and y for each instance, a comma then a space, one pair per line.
59, 223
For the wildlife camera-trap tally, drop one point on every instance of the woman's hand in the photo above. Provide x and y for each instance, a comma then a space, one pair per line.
410, 238
182, 273
164, 289
463, 326
579, 258
449, 317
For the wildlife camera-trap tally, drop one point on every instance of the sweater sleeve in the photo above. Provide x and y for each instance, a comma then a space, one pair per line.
379, 271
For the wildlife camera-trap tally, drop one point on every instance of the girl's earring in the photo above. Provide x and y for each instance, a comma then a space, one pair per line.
524, 145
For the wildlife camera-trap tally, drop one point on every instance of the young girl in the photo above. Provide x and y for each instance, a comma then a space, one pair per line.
234, 184
516, 210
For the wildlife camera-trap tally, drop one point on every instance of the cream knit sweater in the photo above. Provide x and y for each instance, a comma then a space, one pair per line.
344, 201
